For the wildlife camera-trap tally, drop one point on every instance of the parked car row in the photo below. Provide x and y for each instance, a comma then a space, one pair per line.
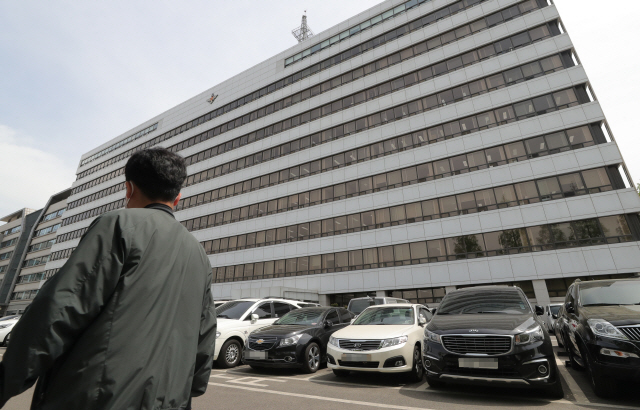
6, 325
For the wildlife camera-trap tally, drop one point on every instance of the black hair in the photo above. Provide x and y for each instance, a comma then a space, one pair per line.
157, 172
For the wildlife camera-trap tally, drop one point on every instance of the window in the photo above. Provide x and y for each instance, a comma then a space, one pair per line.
345, 315
333, 317
280, 309
263, 311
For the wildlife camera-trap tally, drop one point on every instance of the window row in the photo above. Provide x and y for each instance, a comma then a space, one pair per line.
119, 144
42, 245
106, 177
12, 230
500, 80
46, 231
24, 295
593, 231
5, 256
8, 243
496, 156
507, 14
485, 52
41, 260
32, 277
63, 254
503, 115
53, 215
71, 235
545, 189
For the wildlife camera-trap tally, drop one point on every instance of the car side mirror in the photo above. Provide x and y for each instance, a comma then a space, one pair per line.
569, 307
328, 324
539, 310
554, 316
254, 318
422, 321
433, 312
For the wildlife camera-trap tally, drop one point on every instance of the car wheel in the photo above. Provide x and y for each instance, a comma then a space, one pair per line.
572, 357
341, 373
433, 382
312, 355
229, 354
603, 387
559, 339
417, 371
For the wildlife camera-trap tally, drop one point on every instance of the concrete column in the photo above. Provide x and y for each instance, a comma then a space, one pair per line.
541, 291
448, 289
381, 293
323, 300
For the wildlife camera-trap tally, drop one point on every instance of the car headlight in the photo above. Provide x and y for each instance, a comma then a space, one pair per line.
3, 326
603, 328
395, 341
530, 336
333, 341
432, 337
218, 334
290, 340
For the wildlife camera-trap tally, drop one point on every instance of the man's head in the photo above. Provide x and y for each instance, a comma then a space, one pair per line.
154, 175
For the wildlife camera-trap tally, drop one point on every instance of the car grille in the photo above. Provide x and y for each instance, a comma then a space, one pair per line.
489, 345
267, 343
366, 365
632, 332
359, 344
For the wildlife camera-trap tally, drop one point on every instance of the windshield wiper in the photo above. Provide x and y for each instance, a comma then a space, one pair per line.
603, 304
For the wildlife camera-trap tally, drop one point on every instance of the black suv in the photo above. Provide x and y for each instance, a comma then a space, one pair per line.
297, 339
600, 329
490, 335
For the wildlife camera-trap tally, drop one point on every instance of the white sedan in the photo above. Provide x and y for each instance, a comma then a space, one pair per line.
384, 338
6, 325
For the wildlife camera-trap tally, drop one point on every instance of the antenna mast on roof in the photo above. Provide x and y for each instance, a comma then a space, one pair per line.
304, 31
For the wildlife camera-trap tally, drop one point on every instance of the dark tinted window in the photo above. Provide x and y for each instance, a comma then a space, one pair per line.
345, 316
263, 311
300, 317
333, 317
484, 301
233, 310
281, 309
357, 306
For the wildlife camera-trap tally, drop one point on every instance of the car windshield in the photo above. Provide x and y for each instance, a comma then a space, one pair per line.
623, 292
483, 301
301, 317
554, 309
358, 305
386, 316
233, 310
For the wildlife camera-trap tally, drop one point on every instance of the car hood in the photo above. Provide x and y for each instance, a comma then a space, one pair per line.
617, 315
373, 331
489, 323
281, 330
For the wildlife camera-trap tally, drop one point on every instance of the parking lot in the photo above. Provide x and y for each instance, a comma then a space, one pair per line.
243, 387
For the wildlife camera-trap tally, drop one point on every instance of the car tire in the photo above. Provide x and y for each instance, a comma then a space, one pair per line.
572, 358
341, 373
230, 354
603, 387
312, 358
434, 382
559, 340
555, 391
417, 371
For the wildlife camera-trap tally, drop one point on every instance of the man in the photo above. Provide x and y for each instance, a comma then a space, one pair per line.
128, 322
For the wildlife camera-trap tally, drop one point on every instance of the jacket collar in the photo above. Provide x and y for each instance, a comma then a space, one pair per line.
161, 207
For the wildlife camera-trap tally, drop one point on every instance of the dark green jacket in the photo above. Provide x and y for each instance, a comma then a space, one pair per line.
127, 323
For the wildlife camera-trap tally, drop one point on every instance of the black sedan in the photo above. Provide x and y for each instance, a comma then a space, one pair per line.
298, 339
490, 335
600, 328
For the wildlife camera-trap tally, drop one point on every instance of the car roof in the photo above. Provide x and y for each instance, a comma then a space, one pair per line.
318, 308
488, 287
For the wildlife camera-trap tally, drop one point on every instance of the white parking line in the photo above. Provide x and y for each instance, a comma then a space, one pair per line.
308, 396
571, 383
253, 381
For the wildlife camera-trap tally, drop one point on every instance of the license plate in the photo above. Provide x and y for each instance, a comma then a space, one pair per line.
350, 357
256, 355
478, 363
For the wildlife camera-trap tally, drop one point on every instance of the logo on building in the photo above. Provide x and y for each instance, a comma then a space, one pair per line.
212, 98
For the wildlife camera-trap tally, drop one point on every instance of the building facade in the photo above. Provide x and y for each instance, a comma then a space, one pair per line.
417, 147
31, 273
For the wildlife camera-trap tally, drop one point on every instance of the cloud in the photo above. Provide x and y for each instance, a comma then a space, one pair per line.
29, 175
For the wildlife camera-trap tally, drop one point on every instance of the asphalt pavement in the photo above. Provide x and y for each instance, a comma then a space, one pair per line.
245, 388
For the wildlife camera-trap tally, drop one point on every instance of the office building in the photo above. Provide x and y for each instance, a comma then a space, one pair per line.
416, 147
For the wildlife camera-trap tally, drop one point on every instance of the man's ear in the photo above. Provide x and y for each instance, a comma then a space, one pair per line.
129, 187
175, 201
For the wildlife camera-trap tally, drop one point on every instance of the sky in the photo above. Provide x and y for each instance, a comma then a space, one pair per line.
74, 74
